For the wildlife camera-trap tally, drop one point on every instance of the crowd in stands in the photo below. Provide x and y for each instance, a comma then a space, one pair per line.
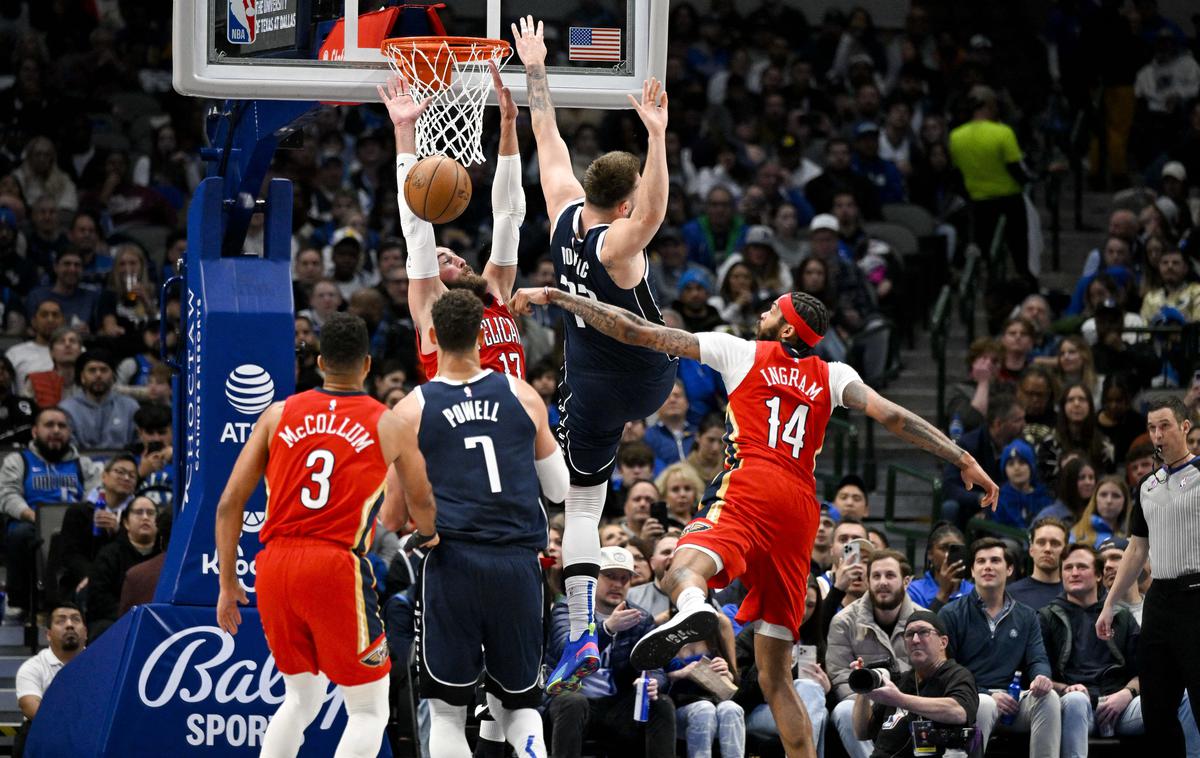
797, 145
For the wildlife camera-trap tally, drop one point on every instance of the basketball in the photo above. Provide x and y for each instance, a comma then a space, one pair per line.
437, 189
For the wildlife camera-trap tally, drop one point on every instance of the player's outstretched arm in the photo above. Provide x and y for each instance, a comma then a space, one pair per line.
410, 467
508, 198
610, 320
629, 236
559, 184
247, 472
424, 281
910, 427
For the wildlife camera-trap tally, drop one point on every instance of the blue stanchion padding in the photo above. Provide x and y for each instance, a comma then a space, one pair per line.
166, 681
240, 333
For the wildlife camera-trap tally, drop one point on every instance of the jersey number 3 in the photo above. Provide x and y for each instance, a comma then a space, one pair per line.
322, 463
793, 430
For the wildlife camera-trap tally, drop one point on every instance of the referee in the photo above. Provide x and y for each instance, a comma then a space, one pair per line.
1165, 522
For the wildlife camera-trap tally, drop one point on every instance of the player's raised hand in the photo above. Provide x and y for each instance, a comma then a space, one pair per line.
974, 475
508, 109
531, 45
652, 108
402, 107
524, 299
228, 615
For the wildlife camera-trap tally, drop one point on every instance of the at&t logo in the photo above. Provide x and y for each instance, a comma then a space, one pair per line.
250, 390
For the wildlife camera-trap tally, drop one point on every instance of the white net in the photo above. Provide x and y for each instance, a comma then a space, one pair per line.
455, 73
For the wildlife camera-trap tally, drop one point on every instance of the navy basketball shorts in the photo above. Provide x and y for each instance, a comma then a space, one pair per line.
593, 409
480, 614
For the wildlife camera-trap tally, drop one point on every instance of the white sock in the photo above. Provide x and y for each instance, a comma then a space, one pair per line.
447, 724
691, 599
302, 699
522, 728
581, 550
367, 711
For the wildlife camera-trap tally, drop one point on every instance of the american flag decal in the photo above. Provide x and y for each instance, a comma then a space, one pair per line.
590, 44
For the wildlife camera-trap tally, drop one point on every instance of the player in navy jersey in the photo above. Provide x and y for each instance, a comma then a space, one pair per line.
760, 514
598, 240
480, 607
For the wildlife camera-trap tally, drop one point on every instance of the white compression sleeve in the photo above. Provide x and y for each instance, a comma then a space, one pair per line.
553, 475
422, 260
302, 699
522, 728
508, 210
581, 552
447, 738
367, 711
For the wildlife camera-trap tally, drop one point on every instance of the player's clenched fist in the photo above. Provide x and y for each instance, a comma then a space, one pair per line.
527, 297
228, 615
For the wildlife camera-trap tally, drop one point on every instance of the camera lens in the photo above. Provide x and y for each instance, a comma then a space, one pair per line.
865, 680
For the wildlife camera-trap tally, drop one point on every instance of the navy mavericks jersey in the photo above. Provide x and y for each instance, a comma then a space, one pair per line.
478, 441
580, 272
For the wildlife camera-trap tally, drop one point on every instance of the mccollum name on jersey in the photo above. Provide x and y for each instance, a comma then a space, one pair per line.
328, 423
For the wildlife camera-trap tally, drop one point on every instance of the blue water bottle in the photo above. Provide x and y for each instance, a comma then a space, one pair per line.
1014, 691
956, 427
641, 700
101, 504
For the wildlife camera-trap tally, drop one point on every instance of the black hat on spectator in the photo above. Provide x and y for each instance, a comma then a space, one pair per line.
98, 355
152, 417
929, 617
854, 480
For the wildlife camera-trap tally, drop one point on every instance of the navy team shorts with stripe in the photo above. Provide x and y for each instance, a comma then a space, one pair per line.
480, 614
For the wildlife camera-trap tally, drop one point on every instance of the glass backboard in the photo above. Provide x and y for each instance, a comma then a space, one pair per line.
599, 50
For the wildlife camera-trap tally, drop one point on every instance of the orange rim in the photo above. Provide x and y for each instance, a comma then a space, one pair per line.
432, 68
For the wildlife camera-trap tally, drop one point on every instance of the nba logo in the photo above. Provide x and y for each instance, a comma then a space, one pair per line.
240, 28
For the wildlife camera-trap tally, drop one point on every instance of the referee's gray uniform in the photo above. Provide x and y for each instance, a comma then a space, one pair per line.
1166, 512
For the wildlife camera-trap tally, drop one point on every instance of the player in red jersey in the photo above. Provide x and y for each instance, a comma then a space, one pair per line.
760, 514
325, 453
431, 270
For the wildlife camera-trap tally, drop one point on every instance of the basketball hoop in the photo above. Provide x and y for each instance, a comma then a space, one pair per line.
454, 72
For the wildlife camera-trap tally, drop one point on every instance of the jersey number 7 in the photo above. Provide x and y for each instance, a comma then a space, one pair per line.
793, 430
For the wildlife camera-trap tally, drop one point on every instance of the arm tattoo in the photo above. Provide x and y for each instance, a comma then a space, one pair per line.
912, 428
539, 89
624, 326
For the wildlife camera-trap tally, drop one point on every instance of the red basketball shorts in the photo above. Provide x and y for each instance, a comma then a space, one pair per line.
319, 611
764, 534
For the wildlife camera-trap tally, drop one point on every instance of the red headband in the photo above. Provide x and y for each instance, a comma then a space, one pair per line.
807, 335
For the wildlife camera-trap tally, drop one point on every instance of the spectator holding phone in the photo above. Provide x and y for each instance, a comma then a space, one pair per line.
944, 569
871, 629
846, 581
637, 523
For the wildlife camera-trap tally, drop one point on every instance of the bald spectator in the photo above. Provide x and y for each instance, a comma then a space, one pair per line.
1123, 224
40, 176
1036, 310
34, 355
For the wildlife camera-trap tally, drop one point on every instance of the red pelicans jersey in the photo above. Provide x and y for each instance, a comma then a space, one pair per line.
325, 470
501, 350
779, 406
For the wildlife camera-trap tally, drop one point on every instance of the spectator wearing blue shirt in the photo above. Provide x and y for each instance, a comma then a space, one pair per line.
1023, 495
705, 390
717, 233
670, 264
942, 581
883, 175
1047, 540
78, 303
671, 437
995, 637
1005, 422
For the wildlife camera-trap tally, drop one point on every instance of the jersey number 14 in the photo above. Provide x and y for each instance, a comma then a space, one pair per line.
793, 431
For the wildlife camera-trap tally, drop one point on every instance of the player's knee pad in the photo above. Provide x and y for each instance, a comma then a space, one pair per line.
586, 501
581, 538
